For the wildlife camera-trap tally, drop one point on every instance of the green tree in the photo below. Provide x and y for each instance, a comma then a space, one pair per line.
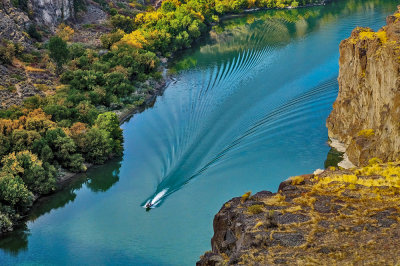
22, 139
168, 6
76, 50
13, 191
109, 122
26, 165
4, 145
98, 146
122, 22
43, 150
58, 52
64, 150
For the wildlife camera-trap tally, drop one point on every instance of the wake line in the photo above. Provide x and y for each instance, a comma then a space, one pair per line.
279, 111
232, 71
247, 60
289, 111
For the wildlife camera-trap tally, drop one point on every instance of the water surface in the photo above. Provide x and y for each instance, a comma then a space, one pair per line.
247, 110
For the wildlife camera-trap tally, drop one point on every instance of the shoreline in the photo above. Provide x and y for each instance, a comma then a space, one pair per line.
256, 9
65, 177
124, 115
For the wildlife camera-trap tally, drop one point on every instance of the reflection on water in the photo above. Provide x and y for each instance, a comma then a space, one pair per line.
247, 110
96, 179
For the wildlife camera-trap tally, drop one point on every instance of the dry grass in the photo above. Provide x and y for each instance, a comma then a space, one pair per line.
351, 230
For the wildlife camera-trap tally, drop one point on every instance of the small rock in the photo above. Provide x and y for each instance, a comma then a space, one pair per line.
289, 239
288, 218
318, 172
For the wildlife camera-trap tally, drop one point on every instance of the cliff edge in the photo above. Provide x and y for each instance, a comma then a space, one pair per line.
366, 114
337, 217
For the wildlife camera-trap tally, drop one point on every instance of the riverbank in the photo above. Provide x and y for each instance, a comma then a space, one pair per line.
337, 216
252, 10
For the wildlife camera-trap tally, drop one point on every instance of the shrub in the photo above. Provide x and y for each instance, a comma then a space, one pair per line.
65, 32
113, 11
255, 209
33, 33
22, 139
5, 223
76, 50
168, 6
245, 196
7, 53
374, 161
79, 5
297, 180
107, 40
22, 4
366, 133
122, 22
64, 150
13, 191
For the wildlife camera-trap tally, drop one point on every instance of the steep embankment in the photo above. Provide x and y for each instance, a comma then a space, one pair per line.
336, 216
366, 114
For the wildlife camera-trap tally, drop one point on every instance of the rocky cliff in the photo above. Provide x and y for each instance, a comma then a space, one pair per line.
13, 23
366, 114
51, 12
338, 217
43, 12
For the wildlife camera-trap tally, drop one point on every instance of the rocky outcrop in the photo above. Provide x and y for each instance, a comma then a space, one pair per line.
17, 84
13, 23
338, 217
51, 12
365, 116
44, 12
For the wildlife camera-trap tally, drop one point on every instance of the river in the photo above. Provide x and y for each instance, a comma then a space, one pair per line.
247, 110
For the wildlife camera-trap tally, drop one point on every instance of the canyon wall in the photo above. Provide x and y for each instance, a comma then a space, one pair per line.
51, 12
366, 113
43, 12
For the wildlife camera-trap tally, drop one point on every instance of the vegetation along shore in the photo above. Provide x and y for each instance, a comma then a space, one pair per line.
72, 71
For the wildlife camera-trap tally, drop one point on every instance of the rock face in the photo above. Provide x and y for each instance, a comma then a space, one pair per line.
13, 23
338, 217
44, 12
51, 12
17, 85
366, 113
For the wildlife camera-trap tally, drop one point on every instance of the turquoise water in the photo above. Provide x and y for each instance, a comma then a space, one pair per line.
246, 111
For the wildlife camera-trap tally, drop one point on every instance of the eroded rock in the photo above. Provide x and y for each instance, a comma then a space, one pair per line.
366, 114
